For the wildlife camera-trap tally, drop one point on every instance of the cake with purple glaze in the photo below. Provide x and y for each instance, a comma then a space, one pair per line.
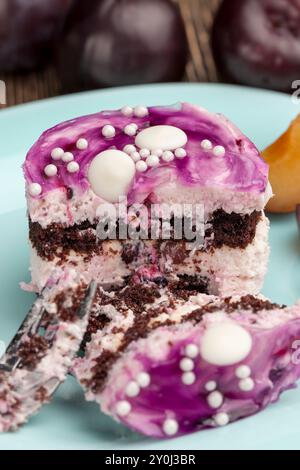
167, 361
178, 155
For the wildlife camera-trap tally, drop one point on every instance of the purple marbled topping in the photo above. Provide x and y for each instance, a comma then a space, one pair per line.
241, 169
273, 370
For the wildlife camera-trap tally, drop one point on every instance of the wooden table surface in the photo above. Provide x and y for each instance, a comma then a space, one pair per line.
198, 17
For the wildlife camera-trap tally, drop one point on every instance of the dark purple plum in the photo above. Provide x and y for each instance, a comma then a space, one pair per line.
121, 42
257, 42
28, 29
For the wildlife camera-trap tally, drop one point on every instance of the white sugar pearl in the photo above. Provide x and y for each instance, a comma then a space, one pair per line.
108, 131
132, 389
35, 189
50, 170
141, 166
186, 364
129, 149
157, 152
143, 379
144, 153
67, 157
188, 378
180, 153
246, 385
168, 156
82, 144
215, 399
135, 156
243, 372
72, 167
225, 343
57, 153
206, 144
127, 111
130, 129
191, 350
219, 151
211, 386
221, 419
170, 427
152, 161
123, 408
140, 111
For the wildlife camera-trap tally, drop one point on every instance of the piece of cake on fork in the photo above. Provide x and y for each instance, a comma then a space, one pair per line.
174, 156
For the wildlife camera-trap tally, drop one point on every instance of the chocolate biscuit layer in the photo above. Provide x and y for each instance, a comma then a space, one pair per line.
232, 230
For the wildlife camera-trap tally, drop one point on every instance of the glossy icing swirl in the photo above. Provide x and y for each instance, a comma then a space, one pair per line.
241, 169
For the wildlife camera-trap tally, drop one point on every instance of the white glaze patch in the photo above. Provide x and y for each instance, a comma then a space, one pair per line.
161, 137
225, 344
110, 174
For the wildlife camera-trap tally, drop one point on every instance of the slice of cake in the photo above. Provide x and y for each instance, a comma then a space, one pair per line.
40, 356
169, 361
181, 159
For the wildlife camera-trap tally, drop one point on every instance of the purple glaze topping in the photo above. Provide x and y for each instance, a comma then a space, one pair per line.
214, 395
240, 169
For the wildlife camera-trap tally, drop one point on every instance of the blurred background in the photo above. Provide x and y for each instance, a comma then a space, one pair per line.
53, 47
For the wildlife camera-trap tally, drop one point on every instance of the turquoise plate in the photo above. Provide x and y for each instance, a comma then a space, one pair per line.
69, 422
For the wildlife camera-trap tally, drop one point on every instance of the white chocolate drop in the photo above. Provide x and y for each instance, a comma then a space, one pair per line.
144, 153
168, 156
130, 129
225, 344
110, 174
129, 149
161, 137
135, 156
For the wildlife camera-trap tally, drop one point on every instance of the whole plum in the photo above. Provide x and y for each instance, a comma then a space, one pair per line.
28, 29
257, 42
120, 42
